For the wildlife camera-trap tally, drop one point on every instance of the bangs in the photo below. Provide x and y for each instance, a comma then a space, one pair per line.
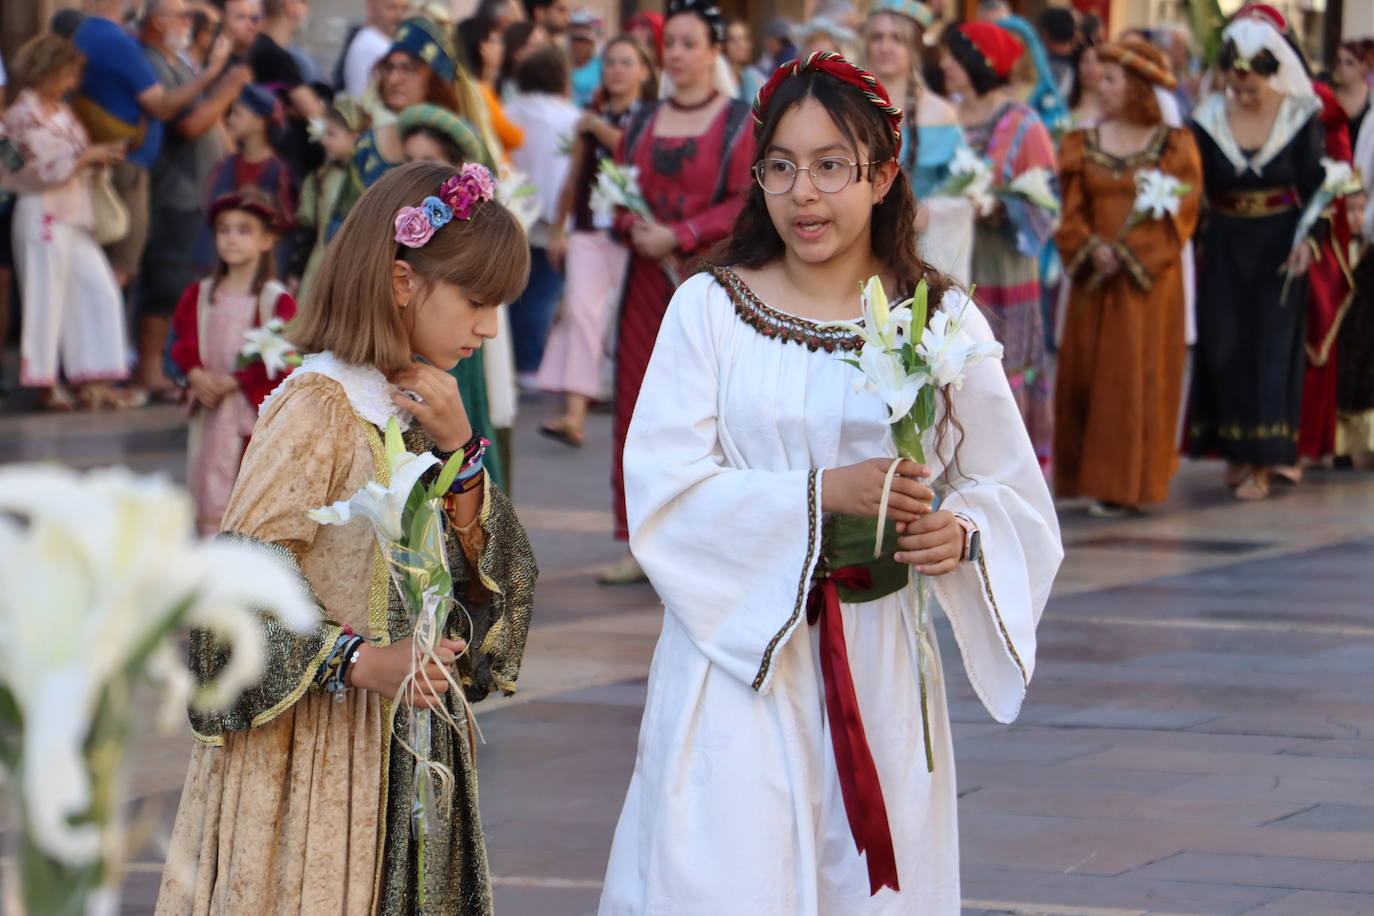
492, 271
853, 116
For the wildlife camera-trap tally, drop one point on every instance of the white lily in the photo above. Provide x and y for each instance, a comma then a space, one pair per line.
1036, 185
618, 186
1157, 194
971, 177
1340, 178
886, 377
381, 505
947, 351
267, 344
518, 195
881, 326
97, 569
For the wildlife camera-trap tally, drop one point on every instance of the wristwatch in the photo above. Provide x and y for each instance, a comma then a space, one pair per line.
973, 539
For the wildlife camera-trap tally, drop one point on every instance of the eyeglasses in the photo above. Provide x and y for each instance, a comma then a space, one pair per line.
400, 67
829, 174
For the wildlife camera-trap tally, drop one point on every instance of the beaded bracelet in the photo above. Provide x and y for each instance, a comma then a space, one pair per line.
333, 672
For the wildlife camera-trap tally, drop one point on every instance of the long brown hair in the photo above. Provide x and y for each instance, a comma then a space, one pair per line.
351, 308
648, 90
756, 242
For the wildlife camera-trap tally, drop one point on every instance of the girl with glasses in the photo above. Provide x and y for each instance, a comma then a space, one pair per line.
771, 749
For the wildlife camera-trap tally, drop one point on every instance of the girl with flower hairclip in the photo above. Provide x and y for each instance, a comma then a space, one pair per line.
298, 798
795, 754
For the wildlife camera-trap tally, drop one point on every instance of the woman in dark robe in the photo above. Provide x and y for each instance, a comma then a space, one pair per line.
1261, 144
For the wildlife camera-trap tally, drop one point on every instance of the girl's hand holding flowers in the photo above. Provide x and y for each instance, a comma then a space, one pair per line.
382, 669
934, 544
653, 240
858, 490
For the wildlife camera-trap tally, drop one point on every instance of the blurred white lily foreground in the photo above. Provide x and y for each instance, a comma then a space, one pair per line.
100, 571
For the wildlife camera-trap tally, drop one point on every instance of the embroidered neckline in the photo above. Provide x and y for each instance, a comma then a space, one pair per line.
368, 391
1094, 152
780, 325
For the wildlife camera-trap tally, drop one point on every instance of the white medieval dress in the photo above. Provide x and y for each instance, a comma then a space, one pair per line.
735, 804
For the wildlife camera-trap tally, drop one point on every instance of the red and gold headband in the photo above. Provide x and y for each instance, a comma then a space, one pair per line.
832, 64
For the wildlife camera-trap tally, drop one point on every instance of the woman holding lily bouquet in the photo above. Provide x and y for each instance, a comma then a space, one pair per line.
1261, 141
299, 799
795, 752
1131, 187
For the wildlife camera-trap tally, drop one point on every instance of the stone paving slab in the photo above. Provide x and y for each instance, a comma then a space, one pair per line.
1197, 740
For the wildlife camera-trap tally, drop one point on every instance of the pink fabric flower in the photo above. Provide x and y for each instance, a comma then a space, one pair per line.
486, 185
465, 189
413, 228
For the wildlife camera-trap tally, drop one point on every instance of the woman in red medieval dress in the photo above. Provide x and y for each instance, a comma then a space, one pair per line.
693, 153
1330, 289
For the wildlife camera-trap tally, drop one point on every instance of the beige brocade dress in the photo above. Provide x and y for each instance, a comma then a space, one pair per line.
297, 804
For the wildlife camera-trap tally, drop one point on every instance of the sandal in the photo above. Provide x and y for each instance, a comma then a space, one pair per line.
57, 398
1255, 486
1235, 474
560, 433
625, 571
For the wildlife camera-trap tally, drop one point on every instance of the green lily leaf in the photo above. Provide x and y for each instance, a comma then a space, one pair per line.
395, 445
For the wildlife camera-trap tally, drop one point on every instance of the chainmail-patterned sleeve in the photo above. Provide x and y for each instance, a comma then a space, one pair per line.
494, 573
292, 660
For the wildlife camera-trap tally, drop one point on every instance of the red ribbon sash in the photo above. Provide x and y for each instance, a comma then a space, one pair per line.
859, 786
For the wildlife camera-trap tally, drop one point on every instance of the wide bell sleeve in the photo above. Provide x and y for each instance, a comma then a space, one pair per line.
730, 550
1154, 244
1031, 226
994, 603
296, 461
1075, 237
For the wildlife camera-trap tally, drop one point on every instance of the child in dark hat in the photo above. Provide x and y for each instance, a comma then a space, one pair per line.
209, 336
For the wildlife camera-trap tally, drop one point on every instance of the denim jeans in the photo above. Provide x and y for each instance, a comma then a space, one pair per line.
531, 315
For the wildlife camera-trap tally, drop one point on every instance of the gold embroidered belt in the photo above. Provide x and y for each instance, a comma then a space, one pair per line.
1253, 204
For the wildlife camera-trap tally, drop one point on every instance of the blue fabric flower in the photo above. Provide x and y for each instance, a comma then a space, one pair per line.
438, 212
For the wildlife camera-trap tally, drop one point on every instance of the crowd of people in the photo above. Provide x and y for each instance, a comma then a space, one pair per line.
1169, 258
1127, 341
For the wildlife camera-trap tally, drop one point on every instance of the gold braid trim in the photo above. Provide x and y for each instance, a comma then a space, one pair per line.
380, 590
1081, 256
1006, 637
1133, 266
328, 634
812, 543
378, 599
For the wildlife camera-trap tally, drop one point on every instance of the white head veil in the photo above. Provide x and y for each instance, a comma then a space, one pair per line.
1253, 34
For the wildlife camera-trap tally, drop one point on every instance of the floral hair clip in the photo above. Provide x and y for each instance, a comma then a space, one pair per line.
415, 226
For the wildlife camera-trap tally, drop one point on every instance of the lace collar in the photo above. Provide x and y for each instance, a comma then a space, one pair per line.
1294, 112
368, 390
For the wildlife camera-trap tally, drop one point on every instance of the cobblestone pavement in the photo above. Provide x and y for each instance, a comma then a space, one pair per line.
1197, 741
